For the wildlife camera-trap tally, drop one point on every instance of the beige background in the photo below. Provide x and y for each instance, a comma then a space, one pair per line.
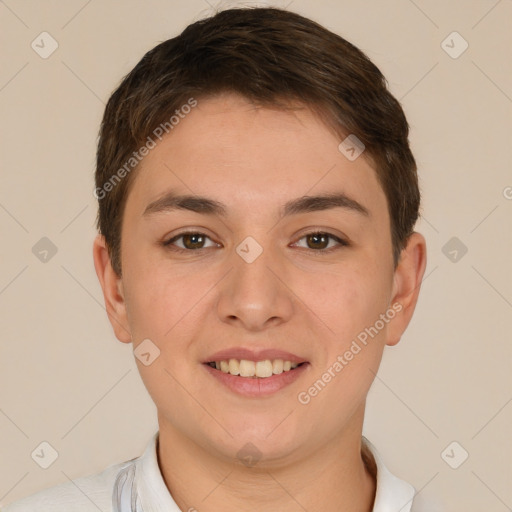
66, 380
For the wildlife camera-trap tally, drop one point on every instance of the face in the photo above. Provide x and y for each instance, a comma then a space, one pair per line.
246, 269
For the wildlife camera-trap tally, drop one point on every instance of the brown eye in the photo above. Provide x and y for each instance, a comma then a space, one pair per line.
319, 241
193, 240
190, 241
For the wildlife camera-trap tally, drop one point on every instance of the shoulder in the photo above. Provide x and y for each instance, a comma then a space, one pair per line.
84, 494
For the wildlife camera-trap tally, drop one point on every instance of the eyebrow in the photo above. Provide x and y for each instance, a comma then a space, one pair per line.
207, 206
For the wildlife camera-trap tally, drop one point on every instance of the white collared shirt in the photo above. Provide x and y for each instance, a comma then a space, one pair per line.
137, 485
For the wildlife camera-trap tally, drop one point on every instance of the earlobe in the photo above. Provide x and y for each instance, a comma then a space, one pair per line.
406, 285
113, 292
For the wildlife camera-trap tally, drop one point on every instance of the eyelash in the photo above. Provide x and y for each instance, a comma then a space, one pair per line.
341, 242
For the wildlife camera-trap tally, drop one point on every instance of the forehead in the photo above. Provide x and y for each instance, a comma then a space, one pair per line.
251, 158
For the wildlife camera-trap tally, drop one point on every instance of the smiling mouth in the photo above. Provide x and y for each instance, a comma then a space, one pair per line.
254, 369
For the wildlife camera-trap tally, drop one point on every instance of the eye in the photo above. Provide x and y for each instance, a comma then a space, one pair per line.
192, 240
319, 241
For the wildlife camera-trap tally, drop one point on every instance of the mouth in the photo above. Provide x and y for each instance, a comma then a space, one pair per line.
263, 369
256, 379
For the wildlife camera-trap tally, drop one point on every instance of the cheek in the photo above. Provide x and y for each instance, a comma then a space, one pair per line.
159, 309
348, 300
152, 296
353, 302
164, 301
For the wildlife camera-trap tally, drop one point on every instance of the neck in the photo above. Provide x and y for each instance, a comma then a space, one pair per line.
332, 475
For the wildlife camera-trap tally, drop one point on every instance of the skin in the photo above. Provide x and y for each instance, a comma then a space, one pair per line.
293, 297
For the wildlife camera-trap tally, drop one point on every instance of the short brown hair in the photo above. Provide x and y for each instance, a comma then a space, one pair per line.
271, 57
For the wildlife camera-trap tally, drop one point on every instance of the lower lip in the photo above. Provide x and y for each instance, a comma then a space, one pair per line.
258, 387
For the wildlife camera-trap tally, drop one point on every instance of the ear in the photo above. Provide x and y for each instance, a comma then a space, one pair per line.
406, 286
112, 287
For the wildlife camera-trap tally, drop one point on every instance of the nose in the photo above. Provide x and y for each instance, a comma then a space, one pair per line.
255, 293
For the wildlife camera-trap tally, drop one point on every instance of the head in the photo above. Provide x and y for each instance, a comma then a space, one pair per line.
250, 109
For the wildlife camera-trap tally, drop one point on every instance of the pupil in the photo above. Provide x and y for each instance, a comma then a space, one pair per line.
317, 237
194, 238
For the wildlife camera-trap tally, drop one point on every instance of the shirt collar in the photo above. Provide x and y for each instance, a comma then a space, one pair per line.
151, 488
392, 493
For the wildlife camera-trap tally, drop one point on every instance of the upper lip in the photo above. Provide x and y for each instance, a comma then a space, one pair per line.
253, 355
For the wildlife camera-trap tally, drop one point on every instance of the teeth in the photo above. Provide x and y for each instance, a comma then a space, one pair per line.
261, 369
247, 368
234, 367
277, 367
264, 369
